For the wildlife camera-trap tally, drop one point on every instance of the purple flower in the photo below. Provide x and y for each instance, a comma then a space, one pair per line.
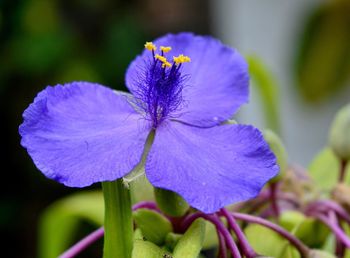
81, 133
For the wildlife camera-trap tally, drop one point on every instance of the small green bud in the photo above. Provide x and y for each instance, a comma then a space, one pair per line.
279, 150
154, 226
339, 136
172, 239
319, 254
170, 203
146, 249
190, 244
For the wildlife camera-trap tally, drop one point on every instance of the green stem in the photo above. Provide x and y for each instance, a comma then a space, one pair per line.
118, 220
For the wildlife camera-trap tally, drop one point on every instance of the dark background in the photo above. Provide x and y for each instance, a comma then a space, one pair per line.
46, 42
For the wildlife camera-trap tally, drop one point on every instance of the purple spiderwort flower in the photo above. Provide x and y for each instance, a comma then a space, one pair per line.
81, 133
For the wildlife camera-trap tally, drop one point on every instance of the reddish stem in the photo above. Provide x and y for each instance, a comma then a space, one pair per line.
342, 170
339, 248
325, 206
303, 249
219, 227
244, 244
338, 232
274, 199
222, 246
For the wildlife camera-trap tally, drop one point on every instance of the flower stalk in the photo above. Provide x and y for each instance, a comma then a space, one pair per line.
118, 220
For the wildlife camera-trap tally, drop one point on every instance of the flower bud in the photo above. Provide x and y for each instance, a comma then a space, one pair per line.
278, 149
154, 227
146, 249
170, 203
190, 244
339, 137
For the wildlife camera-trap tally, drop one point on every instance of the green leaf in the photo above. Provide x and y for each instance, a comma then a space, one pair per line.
146, 249
60, 221
154, 226
308, 230
323, 58
324, 170
190, 244
268, 243
267, 88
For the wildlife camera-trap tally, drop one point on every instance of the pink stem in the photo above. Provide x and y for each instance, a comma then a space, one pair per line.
83, 244
326, 205
145, 205
335, 229
339, 249
303, 249
219, 226
222, 246
274, 199
244, 244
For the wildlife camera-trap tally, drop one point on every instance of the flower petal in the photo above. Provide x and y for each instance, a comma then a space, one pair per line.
210, 168
81, 133
217, 77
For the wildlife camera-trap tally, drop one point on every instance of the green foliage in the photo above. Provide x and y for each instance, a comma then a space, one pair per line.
323, 59
154, 226
267, 88
269, 243
308, 230
324, 170
191, 242
59, 222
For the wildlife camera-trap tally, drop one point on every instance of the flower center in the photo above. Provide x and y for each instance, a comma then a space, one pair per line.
160, 86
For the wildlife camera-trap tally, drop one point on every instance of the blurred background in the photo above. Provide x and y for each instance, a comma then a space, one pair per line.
305, 45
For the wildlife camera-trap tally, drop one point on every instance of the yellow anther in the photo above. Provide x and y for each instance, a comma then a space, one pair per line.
165, 49
181, 59
150, 46
166, 64
161, 58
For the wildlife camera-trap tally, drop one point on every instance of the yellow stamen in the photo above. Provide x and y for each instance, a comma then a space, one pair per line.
181, 59
160, 58
166, 64
165, 49
150, 46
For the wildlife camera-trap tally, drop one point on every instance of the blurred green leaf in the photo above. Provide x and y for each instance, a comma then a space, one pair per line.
269, 243
268, 91
308, 230
40, 16
323, 60
78, 70
38, 53
60, 220
324, 170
